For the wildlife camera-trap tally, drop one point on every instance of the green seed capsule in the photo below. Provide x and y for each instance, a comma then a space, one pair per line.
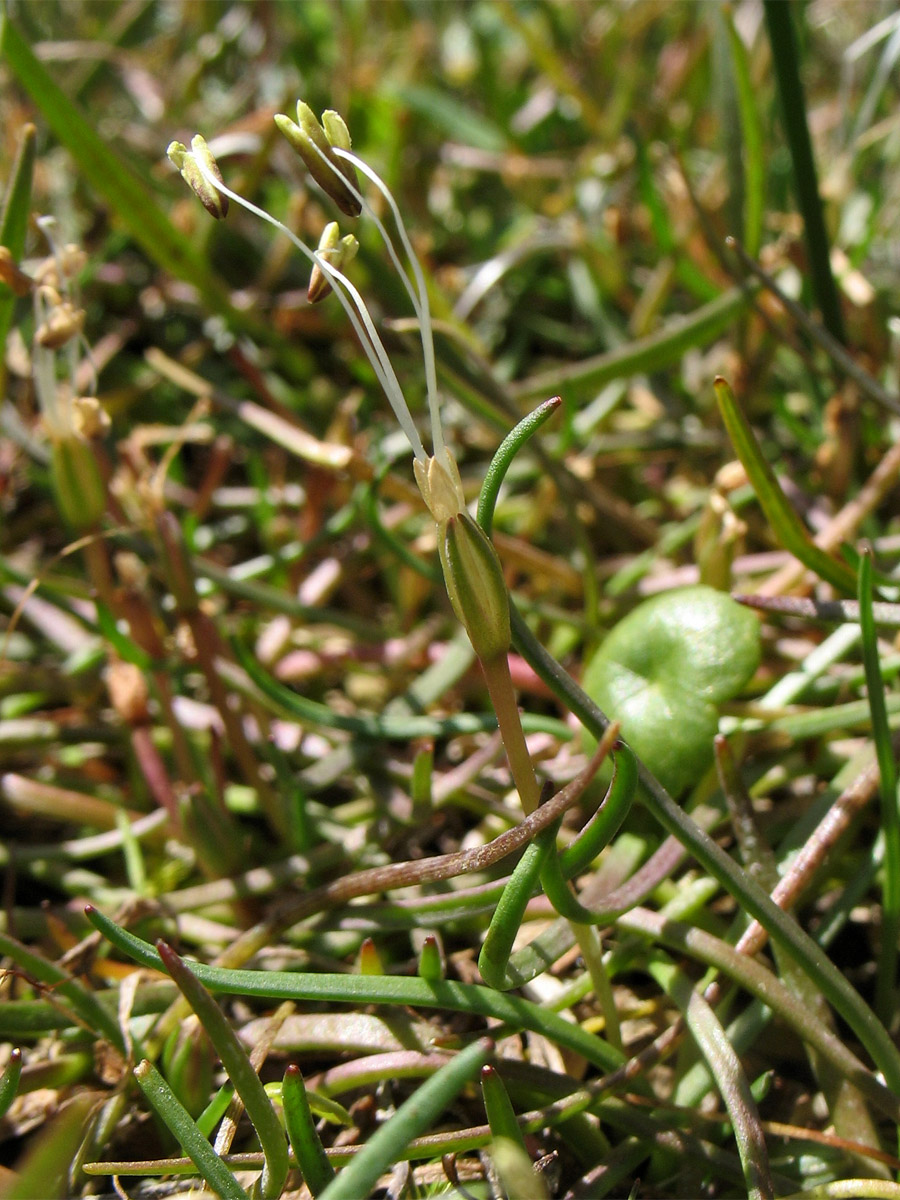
475, 585
77, 482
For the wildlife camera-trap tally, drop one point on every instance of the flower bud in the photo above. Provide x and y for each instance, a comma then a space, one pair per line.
77, 482
475, 584
441, 486
215, 203
338, 252
310, 141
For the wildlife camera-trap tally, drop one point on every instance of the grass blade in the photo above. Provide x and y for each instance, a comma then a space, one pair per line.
372, 989
45, 1172
651, 353
83, 1003
14, 223
308, 1150
728, 1074
786, 61
410, 1120
501, 1115
493, 961
239, 1069
9, 1081
786, 525
179, 1121
885, 985
751, 130
506, 452
513, 1163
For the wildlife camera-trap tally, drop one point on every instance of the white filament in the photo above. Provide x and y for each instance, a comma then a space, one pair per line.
418, 295
356, 310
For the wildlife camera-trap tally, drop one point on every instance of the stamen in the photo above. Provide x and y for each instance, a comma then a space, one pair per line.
422, 309
356, 310
418, 295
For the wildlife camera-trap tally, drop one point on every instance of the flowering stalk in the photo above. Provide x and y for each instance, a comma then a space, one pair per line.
472, 571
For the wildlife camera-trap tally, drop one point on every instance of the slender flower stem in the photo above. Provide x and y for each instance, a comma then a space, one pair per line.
421, 307
503, 698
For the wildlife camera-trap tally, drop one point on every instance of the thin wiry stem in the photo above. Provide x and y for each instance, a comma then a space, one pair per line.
418, 295
355, 308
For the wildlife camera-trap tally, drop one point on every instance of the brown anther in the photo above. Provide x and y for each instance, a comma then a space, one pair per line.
89, 417
128, 692
64, 322
12, 274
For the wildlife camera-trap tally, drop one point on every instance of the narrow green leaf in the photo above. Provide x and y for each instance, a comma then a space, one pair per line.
605, 822
125, 647
422, 773
9, 1082
786, 61
82, 1002
501, 1115
513, 1163
785, 523
45, 1172
411, 1120
447, 112
751, 130
368, 989
215, 1110
388, 726
308, 1150
651, 353
493, 961
14, 222
667, 242
728, 1073
239, 1069
179, 1121
431, 963
885, 982
506, 452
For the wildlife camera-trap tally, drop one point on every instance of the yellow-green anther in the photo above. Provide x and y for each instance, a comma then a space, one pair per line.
337, 252
176, 152
475, 585
331, 173
188, 163
336, 129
